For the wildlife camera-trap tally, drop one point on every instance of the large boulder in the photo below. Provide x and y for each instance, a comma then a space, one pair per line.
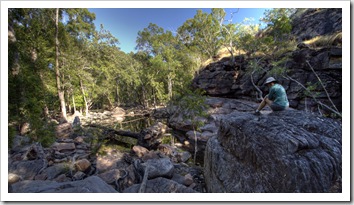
289, 151
27, 169
92, 184
160, 185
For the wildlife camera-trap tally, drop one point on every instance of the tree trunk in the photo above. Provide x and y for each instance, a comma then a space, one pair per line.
169, 87
57, 73
73, 98
117, 93
83, 94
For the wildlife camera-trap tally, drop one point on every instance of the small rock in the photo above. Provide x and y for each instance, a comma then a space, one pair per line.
191, 134
147, 136
150, 155
140, 151
110, 176
162, 167
82, 165
76, 121
188, 180
166, 149
192, 185
62, 178
184, 156
13, 178
79, 139
79, 175
63, 146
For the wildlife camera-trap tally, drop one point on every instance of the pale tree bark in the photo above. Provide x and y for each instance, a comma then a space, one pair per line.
73, 99
85, 100
169, 83
57, 73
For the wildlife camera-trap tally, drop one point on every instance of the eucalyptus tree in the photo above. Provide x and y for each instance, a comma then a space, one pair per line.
76, 30
162, 46
31, 85
203, 32
278, 28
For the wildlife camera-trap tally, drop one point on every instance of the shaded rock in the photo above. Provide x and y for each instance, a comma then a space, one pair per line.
92, 184
160, 113
27, 169
20, 141
152, 136
162, 167
184, 156
178, 178
161, 185
79, 175
309, 23
62, 178
56, 170
63, 146
211, 127
110, 176
150, 155
188, 180
289, 151
76, 121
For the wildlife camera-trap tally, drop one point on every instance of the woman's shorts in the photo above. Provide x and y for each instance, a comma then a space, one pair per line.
276, 107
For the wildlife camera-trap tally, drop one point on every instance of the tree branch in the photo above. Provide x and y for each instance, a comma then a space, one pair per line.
313, 97
324, 88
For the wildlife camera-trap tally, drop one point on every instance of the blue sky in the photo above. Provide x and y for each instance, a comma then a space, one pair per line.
125, 23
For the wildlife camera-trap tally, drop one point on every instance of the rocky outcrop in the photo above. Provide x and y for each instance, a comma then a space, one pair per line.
216, 108
305, 67
161, 185
92, 184
217, 80
309, 23
280, 152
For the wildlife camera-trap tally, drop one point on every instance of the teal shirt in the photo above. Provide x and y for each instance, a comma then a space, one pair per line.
277, 94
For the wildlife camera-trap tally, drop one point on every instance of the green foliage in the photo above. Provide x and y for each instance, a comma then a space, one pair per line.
312, 89
202, 32
11, 134
279, 66
192, 105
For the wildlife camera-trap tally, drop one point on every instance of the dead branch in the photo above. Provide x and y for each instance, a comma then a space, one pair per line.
313, 97
324, 88
143, 183
119, 132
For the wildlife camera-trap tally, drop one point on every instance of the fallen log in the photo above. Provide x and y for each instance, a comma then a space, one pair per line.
149, 138
107, 130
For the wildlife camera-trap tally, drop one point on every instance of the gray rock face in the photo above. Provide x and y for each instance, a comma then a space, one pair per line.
92, 184
326, 62
162, 167
27, 169
219, 80
280, 152
314, 22
161, 185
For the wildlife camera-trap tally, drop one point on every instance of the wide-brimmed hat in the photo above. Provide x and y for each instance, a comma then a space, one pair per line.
270, 80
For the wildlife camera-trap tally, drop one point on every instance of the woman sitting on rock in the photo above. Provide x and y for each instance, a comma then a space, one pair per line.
277, 99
